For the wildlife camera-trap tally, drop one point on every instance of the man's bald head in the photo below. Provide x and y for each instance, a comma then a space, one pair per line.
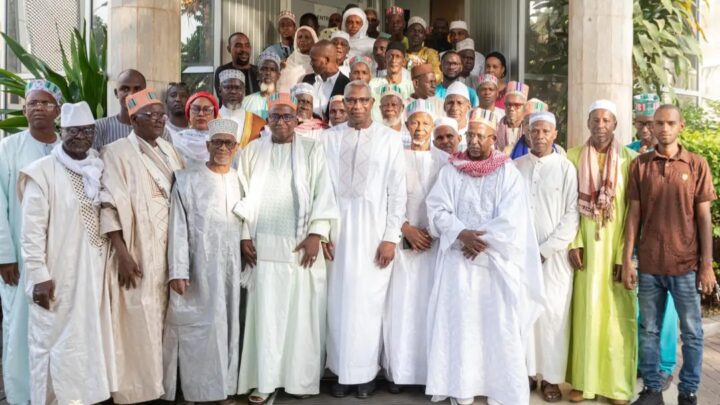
129, 82
323, 58
131, 74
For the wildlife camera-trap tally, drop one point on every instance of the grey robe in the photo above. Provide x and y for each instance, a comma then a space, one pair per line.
202, 327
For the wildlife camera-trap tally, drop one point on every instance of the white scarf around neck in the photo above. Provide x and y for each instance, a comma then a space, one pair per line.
90, 169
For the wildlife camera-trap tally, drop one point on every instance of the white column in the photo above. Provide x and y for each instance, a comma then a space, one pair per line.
143, 35
600, 64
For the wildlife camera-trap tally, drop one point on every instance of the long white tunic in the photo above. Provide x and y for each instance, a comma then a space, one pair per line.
368, 174
70, 344
16, 152
481, 310
405, 319
285, 327
202, 327
552, 183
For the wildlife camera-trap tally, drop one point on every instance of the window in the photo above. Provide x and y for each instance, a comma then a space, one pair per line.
546, 56
197, 49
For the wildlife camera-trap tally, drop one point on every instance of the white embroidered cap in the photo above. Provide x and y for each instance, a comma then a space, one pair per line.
446, 122
222, 126
231, 74
465, 45
340, 34
544, 116
459, 25
417, 20
603, 105
76, 115
458, 88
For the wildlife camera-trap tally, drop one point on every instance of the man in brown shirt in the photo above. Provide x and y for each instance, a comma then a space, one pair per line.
670, 191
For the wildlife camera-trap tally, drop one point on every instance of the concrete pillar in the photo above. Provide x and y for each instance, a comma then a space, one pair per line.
600, 64
143, 35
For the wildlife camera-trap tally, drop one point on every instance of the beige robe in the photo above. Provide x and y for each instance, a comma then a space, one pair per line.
135, 200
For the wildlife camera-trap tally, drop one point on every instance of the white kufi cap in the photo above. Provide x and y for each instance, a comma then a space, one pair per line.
76, 115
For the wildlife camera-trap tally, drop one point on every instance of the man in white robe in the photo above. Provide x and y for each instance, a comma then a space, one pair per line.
42, 107
551, 180
135, 195
69, 330
366, 165
405, 319
201, 339
232, 93
289, 208
488, 281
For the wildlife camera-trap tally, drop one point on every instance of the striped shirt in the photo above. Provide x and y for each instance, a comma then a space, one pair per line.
110, 129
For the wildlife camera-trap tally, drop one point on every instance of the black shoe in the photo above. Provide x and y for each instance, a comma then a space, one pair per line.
340, 390
394, 388
687, 399
365, 390
649, 397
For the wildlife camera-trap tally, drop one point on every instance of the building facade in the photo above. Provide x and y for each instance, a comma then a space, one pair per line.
171, 40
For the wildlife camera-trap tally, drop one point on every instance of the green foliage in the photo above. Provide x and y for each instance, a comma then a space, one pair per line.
665, 43
707, 144
84, 80
703, 119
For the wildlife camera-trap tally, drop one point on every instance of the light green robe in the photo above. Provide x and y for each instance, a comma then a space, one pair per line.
16, 152
603, 343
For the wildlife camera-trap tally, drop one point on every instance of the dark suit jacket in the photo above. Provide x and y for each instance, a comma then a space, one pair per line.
338, 88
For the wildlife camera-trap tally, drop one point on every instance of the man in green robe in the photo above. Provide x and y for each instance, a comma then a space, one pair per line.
603, 343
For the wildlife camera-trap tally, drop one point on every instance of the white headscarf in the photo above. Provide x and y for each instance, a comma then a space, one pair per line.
360, 43
297, 64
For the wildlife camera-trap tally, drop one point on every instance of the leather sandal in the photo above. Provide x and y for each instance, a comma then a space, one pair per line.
550, 392
258, 398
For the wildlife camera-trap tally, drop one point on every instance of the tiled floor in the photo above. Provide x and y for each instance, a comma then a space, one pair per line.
709, 393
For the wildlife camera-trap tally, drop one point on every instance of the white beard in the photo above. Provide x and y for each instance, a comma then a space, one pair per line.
267, 88
232, 107
391, 122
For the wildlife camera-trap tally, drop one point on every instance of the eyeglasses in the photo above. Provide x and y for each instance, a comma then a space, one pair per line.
285, 117
218, 143
76, 131
514, 105
354, 100
45, 105
155, 116
204, 110
641, 124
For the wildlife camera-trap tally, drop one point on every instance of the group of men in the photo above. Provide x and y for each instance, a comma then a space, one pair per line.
382, 225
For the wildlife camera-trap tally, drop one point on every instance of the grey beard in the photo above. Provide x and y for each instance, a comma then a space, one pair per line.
267, 87
232, 106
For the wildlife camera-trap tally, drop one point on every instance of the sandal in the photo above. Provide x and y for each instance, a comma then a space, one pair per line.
550, 392
257, 397
576, 396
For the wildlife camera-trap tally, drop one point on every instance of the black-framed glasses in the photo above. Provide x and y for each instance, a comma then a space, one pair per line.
76, 131
153, 115
218, 143
277, 117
